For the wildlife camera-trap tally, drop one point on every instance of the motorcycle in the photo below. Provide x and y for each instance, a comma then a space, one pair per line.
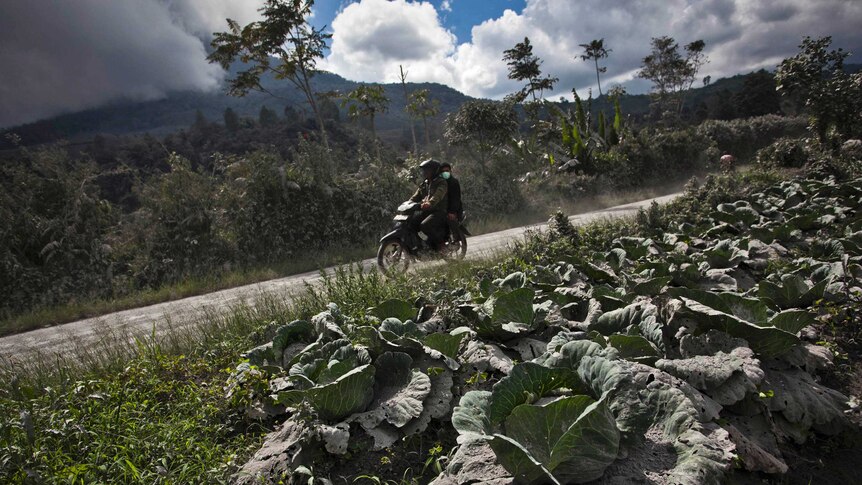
404, 243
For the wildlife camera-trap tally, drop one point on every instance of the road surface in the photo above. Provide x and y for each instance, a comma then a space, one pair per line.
93, 333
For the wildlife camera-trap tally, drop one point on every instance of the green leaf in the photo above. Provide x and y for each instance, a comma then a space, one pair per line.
444, 343
748, 309
518, 461
575, 438
401, 390
792, 321
472, 415
515, 306
513, 281
632, 347
397, 328
526, 383
569, 355
791, 292
769, 341
617, 321
298, 331
394, 308
652, 287
350, 394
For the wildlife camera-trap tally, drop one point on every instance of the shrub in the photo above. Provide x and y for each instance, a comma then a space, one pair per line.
784, 152
743, 137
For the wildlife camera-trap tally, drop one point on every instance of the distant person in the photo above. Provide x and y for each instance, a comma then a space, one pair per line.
433, 194
455, 209
727, 162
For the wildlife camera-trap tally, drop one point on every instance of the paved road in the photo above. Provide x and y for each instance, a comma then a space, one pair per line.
92, 333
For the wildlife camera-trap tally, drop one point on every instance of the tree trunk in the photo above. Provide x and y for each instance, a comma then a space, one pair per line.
374, 138
427, 135
599, 82
407, 103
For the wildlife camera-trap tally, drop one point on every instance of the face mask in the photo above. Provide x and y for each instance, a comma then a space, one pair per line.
446, 175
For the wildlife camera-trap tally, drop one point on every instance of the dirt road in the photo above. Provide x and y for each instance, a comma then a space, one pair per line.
179, 313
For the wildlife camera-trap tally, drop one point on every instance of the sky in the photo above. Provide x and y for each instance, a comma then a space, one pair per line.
60, 56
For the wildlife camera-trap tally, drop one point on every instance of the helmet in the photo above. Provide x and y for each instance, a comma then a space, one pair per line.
430, 165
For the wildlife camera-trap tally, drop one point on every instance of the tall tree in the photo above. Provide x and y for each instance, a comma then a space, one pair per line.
407, 108
231, 120
483, 126
670, 72
267, 117
816, 77
422, 107
282, 44
524, 66
366, 101
595, 50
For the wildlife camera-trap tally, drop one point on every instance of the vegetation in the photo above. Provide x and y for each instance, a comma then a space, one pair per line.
699, 342
283, 34
596, 50
671, 73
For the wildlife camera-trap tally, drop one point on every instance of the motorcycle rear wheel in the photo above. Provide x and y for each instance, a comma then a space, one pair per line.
457, 247
392, 257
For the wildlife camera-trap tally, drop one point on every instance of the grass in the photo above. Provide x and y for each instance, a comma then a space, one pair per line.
80, 309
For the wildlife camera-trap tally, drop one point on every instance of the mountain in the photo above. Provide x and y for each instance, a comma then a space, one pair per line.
178, 110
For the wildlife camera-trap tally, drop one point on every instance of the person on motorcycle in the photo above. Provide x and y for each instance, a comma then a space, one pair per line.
455, 210
433, 194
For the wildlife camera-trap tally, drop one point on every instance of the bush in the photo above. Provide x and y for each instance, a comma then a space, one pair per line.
784, 152
743, 137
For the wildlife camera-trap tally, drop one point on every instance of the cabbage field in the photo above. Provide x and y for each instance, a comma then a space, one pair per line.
678, 359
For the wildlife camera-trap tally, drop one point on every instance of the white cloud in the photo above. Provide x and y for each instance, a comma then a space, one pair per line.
446, 6
372, 37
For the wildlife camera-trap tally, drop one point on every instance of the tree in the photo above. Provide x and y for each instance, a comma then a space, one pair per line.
595, 50
366, 101
267, 117
231, 120
422, 107
407, 108
815, 77
200, 121
758, 96
524, 66
670, 72
695, 59
482, 126
282, 44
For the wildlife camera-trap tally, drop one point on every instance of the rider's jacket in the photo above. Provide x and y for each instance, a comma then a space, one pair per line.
434, 192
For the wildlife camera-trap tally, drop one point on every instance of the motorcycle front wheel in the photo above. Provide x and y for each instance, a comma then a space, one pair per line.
392, 257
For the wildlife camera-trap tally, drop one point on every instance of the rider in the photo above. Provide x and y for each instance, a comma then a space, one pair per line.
455, 210
433, 196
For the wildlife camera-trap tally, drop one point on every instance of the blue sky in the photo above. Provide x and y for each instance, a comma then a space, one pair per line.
143, 49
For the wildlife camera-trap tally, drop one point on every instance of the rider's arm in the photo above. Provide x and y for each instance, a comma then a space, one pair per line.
438, 193
417, 196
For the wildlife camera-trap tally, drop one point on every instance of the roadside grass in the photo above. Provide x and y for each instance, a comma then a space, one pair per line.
80, 309
155, 409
